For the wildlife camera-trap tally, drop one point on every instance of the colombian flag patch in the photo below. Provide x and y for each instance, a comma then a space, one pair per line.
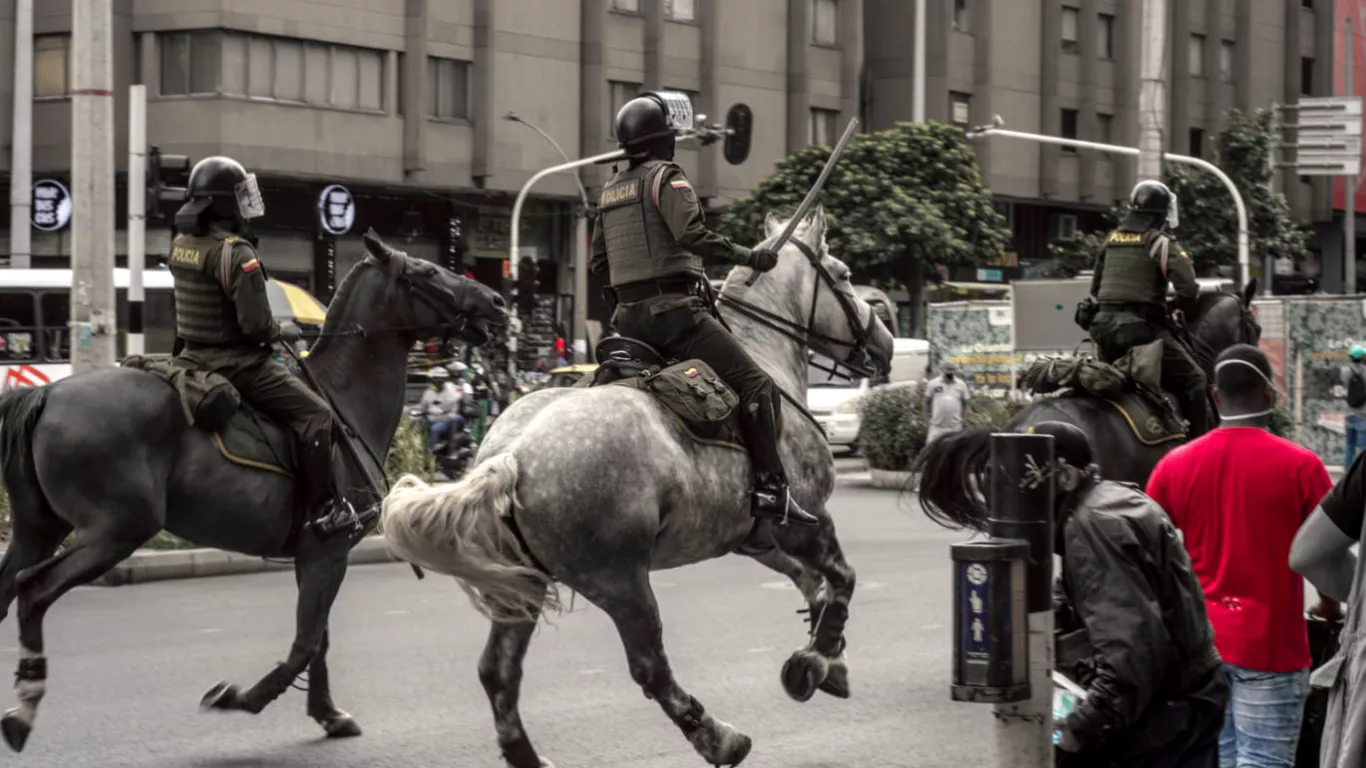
680, 184
691, 373
251, 265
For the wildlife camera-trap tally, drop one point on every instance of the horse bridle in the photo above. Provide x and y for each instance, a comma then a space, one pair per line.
859, 362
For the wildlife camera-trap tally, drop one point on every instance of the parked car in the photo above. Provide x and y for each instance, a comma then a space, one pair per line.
834, 402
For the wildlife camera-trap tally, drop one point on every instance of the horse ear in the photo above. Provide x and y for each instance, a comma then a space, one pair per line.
771, 225
816, 231
1250, 291
376, 246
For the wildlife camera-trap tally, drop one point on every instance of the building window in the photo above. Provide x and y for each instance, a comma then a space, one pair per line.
962, 19
620, 93
1069, 128
1071, 21
1226, 50
823, 126
190, 63
626, 6
1197, 140
277, 68
1106, 34
680, 10
1106, 125
1195, 56
449, 84
960, 107
824, 22
1307, 75
51, 66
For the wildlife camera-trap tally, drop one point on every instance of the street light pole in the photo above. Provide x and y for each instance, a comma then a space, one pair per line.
1244, 265
580, 249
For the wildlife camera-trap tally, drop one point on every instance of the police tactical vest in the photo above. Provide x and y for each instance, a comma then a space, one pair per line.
639, 243
204, 311
1131, 273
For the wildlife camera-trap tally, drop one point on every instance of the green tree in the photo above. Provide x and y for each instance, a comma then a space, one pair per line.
898, 201
1209, 222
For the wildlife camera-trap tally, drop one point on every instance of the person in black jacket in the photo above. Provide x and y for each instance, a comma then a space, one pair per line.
1156, 691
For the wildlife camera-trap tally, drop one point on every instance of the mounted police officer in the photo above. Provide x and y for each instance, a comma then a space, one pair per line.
651, 237
224, 318
1130, 286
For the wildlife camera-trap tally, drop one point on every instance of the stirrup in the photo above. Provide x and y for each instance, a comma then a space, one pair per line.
785, 498
340, 516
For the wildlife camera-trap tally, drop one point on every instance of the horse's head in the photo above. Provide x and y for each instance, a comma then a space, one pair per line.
813, 288
1222, 319
436, 301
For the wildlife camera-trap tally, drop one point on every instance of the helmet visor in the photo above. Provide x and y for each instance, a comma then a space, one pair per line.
1173, 215
249, 202
677, 109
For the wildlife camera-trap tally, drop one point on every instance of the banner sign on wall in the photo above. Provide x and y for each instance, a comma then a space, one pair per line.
51, 205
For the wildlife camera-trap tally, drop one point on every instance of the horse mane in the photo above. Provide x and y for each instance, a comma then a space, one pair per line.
341, 300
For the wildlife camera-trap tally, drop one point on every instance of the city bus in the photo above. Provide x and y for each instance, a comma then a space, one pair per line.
35, 308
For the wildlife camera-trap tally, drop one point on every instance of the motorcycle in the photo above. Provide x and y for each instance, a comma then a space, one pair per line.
455, 451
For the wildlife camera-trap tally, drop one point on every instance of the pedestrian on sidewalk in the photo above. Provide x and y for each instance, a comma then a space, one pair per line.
946, 402
1322, 553
1354, 379
1239, 494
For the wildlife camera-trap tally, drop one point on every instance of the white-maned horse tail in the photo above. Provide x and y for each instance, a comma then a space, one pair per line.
460, 531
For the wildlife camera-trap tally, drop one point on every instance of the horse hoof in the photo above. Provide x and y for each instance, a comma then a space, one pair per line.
16, 730
341, 726
222, 696
720, 743
837, 682
803, 673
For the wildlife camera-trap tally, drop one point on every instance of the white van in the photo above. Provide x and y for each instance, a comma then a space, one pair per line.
834, 402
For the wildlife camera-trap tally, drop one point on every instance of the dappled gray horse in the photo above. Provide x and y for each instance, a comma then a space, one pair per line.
109, 455
604, 486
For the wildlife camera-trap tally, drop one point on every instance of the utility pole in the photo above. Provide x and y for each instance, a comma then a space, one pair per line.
21, 163
1152, 93
918, 94
92, 187
137, 212
1349, 195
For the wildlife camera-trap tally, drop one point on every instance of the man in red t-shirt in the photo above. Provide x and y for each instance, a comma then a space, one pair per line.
1238, 495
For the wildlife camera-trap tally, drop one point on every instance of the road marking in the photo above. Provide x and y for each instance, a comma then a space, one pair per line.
665, 584
928, 627
763, 649
210, 630
396, 613
593, 671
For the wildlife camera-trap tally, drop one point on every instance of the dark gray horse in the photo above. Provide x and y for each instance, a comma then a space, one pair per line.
107, 454
605, 487
950, 470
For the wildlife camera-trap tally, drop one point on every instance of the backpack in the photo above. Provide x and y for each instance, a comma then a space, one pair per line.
1356, 388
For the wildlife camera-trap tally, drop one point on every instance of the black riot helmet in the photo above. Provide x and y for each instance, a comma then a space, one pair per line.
647, 125
220, 189
1154, 201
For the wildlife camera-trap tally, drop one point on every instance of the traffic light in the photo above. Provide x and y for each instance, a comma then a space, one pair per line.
165, 174
526, 286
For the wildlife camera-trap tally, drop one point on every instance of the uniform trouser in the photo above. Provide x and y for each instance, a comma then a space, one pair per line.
1117, 333
683, 329
271, 389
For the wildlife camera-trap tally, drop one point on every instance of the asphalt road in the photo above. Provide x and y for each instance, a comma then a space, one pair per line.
127, 667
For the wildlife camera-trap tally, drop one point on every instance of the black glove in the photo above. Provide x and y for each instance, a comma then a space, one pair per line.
762, 259
290, 333
1086, 312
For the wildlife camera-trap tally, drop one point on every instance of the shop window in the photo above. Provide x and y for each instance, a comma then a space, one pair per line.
18, 325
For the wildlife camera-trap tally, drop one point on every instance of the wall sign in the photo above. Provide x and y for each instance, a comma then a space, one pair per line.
336, 210
51, 205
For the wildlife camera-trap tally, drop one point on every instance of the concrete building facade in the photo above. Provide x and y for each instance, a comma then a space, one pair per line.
1071, 68
403, 103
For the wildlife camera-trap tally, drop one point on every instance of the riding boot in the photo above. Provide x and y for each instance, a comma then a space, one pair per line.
322, 510
1198, 413
771, 500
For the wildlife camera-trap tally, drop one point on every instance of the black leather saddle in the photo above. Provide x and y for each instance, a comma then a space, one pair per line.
621, 357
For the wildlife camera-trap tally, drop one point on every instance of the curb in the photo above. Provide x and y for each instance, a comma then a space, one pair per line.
198, 563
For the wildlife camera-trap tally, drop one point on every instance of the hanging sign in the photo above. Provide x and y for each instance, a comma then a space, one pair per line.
336, 210
51, 205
